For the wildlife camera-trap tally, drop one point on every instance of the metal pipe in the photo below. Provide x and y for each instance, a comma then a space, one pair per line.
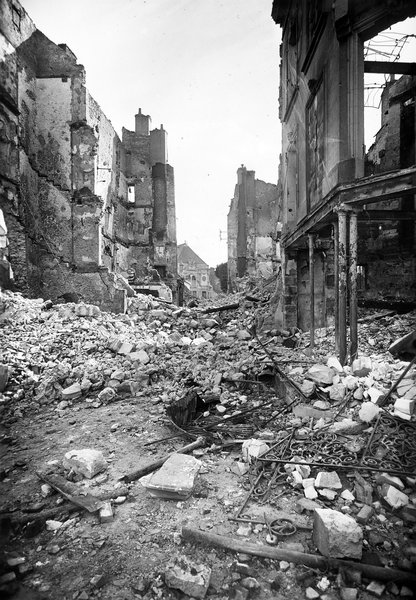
353, 286
311, 290
342, 283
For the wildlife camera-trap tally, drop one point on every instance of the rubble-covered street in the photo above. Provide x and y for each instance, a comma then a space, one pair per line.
298, 480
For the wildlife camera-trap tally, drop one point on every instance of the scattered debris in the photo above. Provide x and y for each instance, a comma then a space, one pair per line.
192, 579
86, 462
317, 438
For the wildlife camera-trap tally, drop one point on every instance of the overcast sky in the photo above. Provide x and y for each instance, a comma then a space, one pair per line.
206, 69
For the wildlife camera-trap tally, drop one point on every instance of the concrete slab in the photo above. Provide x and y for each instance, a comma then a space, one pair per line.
175, 479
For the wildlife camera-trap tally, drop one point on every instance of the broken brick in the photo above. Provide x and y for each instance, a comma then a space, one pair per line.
87, 462
364, 515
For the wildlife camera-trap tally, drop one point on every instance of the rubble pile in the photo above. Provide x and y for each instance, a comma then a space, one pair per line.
291, 460
73, 352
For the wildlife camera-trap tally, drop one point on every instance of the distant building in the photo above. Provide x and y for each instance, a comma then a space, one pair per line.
195, 272
252, 228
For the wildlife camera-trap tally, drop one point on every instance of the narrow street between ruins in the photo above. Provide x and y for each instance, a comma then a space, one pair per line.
294, 461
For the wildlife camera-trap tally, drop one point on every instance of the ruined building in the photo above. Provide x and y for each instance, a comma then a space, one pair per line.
346, 231
251, 228
195, 272
84, 210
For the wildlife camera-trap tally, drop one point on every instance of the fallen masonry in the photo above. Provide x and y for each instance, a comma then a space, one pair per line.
249, 445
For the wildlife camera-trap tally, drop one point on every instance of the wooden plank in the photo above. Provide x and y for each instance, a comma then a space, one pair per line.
364, 191
387, 215
396, 68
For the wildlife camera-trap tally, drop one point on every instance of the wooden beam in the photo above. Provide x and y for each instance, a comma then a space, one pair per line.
336, 286
393, 68
377, 188
311, 290
387, 215
342, 283
353, 286
367, 190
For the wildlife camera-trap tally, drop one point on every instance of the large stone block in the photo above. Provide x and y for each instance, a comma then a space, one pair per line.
329, 480
368, 412
337, 535
321, 374
394, 497
175, 479
73, 392
405, 405
87, 462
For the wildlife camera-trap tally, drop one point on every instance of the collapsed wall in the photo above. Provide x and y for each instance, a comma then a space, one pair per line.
252, 228
65, 179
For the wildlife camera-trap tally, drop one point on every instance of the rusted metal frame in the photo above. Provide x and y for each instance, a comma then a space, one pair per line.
342, 286
353, 242
370, 439
336, 286
246, 499
311, 244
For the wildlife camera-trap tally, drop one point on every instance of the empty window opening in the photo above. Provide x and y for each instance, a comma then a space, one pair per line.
131, 194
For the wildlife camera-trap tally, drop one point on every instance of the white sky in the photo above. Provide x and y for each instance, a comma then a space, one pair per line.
206, 69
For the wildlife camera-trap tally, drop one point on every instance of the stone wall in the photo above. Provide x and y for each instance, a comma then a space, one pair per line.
252, 227
79, 203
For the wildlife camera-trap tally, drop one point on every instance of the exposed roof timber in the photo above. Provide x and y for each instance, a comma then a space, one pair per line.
394, 184
380, 187
369, 17
396, 68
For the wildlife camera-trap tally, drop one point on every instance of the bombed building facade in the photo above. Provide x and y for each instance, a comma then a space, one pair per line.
84, 210
195, 273
348, 220
251, 228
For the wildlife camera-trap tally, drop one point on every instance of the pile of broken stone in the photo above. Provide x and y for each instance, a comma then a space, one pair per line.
68, 353
65, 354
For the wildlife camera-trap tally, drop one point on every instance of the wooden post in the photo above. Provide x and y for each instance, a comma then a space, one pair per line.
311, 290
342, 291
336, 284
353, 286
